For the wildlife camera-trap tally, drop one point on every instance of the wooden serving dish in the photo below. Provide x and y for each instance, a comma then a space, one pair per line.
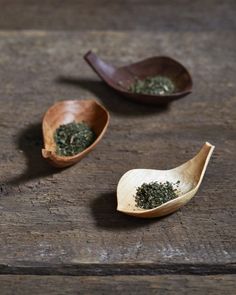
121, 78
64, 112
190, 175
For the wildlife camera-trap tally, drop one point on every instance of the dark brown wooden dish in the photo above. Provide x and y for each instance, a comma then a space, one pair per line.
121, 78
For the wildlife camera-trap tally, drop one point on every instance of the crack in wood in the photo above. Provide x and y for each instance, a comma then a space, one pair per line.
119, 269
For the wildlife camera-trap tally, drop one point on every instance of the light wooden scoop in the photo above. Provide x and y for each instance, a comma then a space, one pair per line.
64, 112
189, 174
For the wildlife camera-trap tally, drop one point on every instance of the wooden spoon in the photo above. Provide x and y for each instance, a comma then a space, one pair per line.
189, 174
64, 112
121, 78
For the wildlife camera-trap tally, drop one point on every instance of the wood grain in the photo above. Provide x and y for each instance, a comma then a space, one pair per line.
170, 285
140, 15
67, 219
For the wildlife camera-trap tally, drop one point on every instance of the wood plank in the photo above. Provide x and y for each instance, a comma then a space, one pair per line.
125, 15
68, 218
137, 285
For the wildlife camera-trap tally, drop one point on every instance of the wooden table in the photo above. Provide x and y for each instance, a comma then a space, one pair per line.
59, 229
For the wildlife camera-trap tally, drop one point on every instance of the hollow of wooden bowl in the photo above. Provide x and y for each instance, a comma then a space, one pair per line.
64, 112
163, 66
189, 174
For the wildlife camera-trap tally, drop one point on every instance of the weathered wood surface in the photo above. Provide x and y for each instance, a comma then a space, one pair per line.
137, 285
65, 221
144, 15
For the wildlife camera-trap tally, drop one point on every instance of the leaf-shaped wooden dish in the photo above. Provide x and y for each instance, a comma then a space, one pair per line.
121, 78
64, 112
189, 174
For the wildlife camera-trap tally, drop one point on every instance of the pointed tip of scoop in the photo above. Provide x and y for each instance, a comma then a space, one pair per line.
46, 154
209, 144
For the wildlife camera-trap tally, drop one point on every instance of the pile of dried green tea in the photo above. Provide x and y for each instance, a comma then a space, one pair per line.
73, 138
154, 194
157, 85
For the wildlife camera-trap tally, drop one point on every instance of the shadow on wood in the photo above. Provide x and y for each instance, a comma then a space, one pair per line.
30, 142
114, 102
104, 212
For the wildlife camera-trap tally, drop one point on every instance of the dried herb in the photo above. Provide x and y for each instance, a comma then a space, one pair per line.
157, 85
154, 194
73, 138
